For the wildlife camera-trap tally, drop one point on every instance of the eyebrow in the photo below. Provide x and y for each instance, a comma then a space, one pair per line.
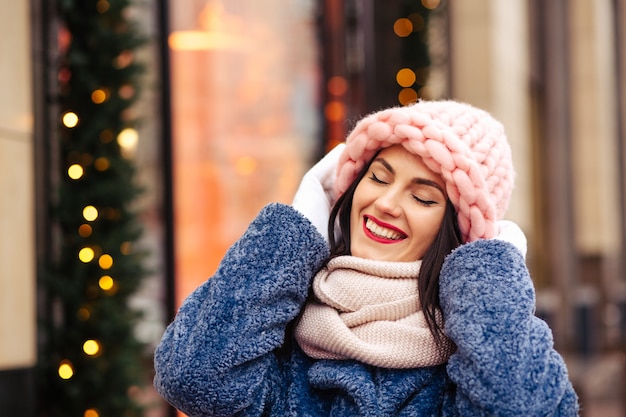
419, 181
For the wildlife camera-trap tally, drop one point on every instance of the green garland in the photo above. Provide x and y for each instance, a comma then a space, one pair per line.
91, 364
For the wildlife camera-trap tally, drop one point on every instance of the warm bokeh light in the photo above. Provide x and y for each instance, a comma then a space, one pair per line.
430, 4
99, 96
106, 136
90, 213
128, 139
403, 27
101, 164
126, 91
70, 119
407, 96
335, 111
405, 77
106, 282
84, 230
102, 6
92, 412
337, 86
83, 314
66, 371
124, 59
91, 347
105, 261
86, 254
125, 248
75, 171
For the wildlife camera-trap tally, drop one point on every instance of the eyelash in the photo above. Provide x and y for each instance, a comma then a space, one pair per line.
419, 200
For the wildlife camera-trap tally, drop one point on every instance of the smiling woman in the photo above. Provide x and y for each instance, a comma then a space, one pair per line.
391, 286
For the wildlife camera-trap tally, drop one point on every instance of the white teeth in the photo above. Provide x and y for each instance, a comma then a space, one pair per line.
381, 231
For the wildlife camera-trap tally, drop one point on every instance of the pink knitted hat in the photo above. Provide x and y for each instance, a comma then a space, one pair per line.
463, 144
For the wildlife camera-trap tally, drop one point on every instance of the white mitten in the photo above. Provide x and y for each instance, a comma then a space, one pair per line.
314, 197
511, 232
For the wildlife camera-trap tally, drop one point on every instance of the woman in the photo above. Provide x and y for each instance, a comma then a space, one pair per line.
421, 306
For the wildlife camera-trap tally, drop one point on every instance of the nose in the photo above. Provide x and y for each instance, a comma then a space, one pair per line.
389, 202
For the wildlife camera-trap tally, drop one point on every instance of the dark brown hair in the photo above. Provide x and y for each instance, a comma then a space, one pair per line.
447, 239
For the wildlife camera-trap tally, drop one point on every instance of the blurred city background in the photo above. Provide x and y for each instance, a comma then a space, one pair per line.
138, 138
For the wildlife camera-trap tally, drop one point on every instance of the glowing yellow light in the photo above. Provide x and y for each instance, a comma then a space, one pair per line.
337, 86
86, 255
106, 282
90, 213
91, 347
245, 165
102, 6
98, 96
128, 138
105, 261
92, 412
407, 96
75, 171
430, 4
85, 230
65, 369
83, 314
335, 111
405, 77
70, 119
403, 27
101, 164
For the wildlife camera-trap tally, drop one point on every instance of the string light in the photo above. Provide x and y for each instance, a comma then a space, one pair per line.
99, 96
91, 347
403, 27
102, 6
101, 164
75, 171
125, 248
106, 282
83, 314
407, 96
70, 119
105, 261
430, 4
90, 213
92, 412
86, 255
128, 139
335, 111
84, 230
406, 77
66, 371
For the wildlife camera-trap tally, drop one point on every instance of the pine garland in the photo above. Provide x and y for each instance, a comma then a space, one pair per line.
91, 364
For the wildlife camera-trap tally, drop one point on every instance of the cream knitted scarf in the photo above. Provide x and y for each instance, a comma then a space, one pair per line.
369, 311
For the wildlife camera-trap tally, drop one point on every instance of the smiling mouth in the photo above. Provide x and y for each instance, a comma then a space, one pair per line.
381, 233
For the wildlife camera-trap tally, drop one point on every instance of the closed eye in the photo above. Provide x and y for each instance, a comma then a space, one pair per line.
376, 179
424, 202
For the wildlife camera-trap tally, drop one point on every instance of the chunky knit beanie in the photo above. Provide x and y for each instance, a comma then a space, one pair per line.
463, 144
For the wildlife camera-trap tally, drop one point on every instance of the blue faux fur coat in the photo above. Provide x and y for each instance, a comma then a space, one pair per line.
221, 356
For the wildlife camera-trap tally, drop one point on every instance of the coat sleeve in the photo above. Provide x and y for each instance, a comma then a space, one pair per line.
217, 357
505, 363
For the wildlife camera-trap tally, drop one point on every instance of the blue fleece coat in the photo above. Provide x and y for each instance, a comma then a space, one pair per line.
222, 354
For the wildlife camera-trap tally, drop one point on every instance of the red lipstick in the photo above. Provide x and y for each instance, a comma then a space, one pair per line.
380, 239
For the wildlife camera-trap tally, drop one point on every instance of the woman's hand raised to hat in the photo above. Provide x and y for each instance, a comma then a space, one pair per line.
511, 232
314, 197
